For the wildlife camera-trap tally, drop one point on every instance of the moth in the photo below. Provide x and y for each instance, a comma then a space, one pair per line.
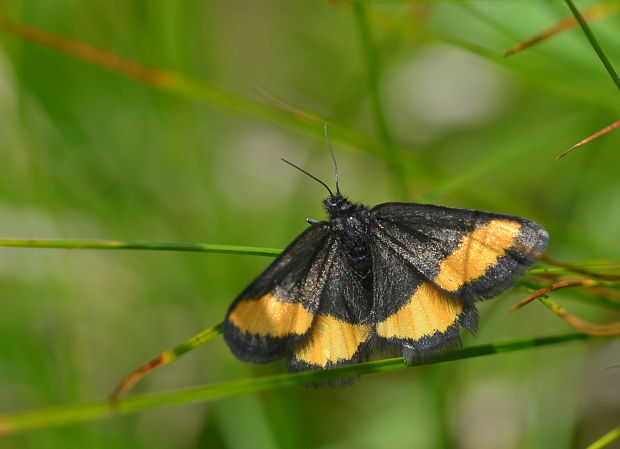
399, 278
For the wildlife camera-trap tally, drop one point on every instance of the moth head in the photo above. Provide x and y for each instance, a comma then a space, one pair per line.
337, 204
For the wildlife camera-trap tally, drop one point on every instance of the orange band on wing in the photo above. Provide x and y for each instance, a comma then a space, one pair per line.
331, 340
478, 251
428, 311
268, 316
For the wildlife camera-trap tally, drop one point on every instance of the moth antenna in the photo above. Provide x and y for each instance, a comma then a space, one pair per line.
308, 174
331, 152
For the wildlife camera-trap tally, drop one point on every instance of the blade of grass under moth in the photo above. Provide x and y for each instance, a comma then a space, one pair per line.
597, 48
594, 12
76, 413
143, 245
596, 135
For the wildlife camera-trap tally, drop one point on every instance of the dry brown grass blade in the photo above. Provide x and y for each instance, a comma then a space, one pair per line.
89, 53
594, 329
591, 138
557, 286
594, 12
291, 109
190, 88
597, 330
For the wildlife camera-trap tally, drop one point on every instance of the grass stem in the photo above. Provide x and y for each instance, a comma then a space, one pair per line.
597, 48
76, 413
373, 68
138, 244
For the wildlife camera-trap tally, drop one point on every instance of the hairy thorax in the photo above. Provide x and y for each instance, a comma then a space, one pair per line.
350, 222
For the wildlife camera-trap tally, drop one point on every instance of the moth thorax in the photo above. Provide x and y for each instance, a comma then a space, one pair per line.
356, 243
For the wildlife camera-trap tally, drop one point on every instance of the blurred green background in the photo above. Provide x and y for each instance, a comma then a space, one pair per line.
86, 153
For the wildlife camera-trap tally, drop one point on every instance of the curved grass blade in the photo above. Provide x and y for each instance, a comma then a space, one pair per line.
165, 358
611, 329
595, 296
551, 288
596, 135
594, 12
76, 413
137, 244
606, 439
190, 88
598, 330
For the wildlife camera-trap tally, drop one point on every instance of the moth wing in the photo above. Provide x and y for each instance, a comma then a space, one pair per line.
430, 265
413, 317
274, 313
471, 254
342, 328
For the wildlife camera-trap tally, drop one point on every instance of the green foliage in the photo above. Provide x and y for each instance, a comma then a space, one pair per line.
421, 105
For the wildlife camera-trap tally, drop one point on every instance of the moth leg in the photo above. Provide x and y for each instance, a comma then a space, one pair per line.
164, 358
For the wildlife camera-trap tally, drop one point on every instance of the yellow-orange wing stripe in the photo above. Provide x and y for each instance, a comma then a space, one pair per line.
268, 316
429, 310
332, 340
477, 252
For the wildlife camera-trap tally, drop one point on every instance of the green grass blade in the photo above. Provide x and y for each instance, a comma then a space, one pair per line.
294, 119
606, 439
597, 48
75, 413
374, 73
190, 88
545, 135
137, 244
546, 84
165, 358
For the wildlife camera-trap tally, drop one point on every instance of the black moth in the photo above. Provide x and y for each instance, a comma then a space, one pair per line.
401, 278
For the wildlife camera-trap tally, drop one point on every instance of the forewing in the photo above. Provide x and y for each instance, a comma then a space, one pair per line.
471, 254
430, 265
274, 313
342, 327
